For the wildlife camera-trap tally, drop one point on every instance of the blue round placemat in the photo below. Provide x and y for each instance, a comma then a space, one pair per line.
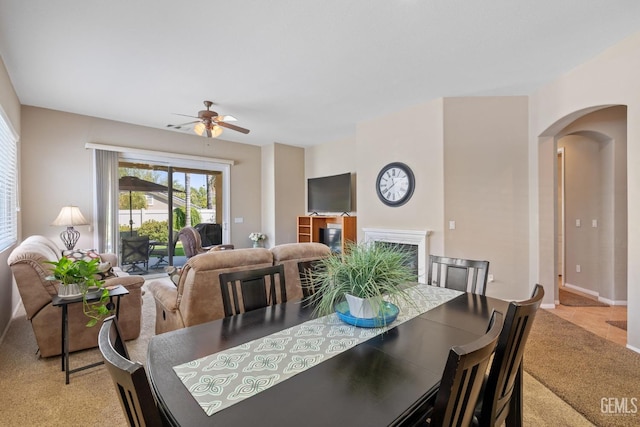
388, 315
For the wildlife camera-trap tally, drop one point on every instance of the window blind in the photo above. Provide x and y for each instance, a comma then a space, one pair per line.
8, 186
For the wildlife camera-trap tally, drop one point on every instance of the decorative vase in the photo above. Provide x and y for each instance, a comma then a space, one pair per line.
71, 290
257, 244
364, 308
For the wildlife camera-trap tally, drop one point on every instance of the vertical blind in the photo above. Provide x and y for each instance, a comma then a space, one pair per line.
8, 185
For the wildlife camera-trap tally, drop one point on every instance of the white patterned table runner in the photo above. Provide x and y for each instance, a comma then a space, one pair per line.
219, 380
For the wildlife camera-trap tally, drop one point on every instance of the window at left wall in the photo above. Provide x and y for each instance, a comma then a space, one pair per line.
8, 185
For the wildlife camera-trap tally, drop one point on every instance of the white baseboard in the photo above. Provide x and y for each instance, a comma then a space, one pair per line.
549, 306
630, 347
583, 290
595, 294
14, 314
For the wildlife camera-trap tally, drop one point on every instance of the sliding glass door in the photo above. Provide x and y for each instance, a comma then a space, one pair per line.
156, 201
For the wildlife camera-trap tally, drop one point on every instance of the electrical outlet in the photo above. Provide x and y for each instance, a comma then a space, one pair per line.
452, 225
577, 268
490, 278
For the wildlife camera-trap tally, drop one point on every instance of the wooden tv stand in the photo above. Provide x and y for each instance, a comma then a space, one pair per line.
309, 228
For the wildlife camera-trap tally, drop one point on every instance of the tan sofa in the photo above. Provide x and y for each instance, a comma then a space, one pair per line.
27, 262
197, 298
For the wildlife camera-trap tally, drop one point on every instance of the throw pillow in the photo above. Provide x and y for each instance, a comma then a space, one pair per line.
106, 269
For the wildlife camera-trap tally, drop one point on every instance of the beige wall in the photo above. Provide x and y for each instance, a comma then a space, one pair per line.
469, 157
596, 189
9, 296
609, 79
485, 188
57, 169
413, 136
283, 189
289, 192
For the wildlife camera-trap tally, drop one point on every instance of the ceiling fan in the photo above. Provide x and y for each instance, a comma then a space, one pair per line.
210, 123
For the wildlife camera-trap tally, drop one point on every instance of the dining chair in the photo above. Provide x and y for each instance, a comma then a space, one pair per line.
306, 270
504, 381
456, 273
462, 378
130, 379
135, 252
248, 290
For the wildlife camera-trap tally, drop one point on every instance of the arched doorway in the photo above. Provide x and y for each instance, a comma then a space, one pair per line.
595, 226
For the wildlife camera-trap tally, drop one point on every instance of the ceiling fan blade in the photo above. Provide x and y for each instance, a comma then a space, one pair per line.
227, 118
182, 124
233, 127
186, 115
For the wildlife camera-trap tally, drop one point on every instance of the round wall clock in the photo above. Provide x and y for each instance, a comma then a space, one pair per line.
395, 184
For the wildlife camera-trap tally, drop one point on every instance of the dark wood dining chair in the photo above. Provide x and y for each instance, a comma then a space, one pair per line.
248, 290
456, 273
306, 270
462, 378
129, 378
504, 381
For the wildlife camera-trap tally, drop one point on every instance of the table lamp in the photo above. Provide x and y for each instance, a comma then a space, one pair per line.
68, 217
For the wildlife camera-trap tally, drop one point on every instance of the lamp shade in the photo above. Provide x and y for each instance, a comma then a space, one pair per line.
201, 128
70, 216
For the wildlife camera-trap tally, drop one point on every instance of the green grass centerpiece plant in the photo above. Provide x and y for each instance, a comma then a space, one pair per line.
83, 277
374, 272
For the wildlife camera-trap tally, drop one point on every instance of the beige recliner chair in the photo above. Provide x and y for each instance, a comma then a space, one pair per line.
27, 262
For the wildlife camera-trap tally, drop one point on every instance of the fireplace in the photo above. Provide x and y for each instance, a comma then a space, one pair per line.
407, 238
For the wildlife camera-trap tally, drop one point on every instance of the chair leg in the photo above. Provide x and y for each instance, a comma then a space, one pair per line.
514, 418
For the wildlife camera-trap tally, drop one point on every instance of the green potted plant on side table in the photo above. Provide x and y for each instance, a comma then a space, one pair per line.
81, 278
365, 280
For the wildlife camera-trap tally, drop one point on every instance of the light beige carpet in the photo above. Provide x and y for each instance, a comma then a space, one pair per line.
34, 393
572, 299
583, 369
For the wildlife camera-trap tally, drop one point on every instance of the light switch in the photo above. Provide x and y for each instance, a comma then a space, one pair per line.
452, 225
577, 223
238, 220
594, 223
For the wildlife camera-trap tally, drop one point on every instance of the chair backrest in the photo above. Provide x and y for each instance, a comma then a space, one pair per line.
306, 270
129, 378
460, 274
248, 290
191, 241
135, 249
462, 378
507, 361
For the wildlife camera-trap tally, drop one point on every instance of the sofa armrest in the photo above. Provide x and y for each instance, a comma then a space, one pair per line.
129, 282
165, 293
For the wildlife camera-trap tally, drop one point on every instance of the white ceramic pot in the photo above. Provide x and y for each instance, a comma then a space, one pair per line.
71, 290
364, 308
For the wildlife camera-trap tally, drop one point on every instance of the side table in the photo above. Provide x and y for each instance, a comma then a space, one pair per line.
115, 292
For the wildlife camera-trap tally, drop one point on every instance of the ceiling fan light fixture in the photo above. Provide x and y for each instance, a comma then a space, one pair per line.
216, 131
199, 128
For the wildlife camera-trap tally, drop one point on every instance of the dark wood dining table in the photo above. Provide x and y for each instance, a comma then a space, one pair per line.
387, 380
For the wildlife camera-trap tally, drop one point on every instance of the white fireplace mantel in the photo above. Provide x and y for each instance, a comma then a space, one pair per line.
407, 237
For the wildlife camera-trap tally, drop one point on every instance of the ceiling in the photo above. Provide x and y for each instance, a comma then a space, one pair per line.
294, 72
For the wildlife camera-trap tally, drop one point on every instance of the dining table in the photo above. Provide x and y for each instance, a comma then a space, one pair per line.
385, 376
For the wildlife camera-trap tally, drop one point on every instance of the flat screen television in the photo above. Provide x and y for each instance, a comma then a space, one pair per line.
329, 194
